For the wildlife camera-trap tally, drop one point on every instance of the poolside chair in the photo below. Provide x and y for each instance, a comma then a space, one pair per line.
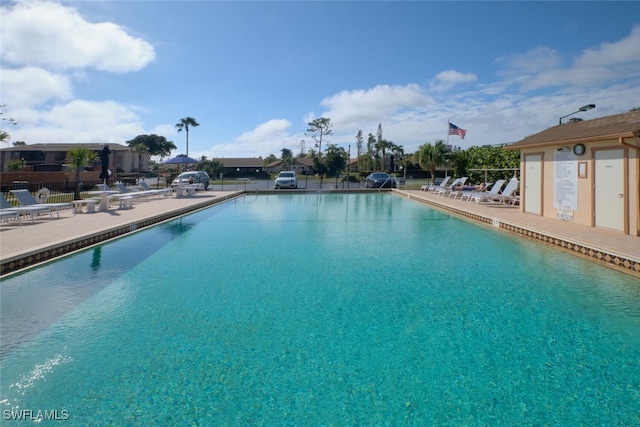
432, 188
132, 193
447, 190
495, 195
160, 192
6, 215
26, 199
442, 188
506, 195
5, 206
474, 195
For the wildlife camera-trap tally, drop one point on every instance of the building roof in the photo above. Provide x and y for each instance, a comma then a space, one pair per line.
67, 147
240, 162
626, 125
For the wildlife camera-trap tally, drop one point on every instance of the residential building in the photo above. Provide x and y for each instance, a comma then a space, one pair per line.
51, 157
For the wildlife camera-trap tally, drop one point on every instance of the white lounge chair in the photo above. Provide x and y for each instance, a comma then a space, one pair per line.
507, 194
132, 193
468, 190
5, 206
432, 188
26, 199
160, 192
474, 195
447, 190
6, 215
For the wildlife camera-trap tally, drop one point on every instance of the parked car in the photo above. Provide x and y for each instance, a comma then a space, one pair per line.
379, 179
199, 177
286, 179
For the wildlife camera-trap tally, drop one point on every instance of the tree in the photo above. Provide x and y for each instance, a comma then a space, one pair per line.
494, 157
318, 129
156, 145
77, 158
432, 156
318, 163
185, 123
383, 145
14, 165
335, 159
4, 136
140, 149
19, 143
287, 156
270, 159
359, 141
213, 167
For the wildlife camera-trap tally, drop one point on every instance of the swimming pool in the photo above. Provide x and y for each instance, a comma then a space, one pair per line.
321, 309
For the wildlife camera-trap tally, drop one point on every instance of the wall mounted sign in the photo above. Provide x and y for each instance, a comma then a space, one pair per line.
565, 195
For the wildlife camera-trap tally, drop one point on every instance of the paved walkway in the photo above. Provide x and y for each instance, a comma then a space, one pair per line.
21, 247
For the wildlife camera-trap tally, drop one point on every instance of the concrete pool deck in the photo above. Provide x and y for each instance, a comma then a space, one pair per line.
30, 244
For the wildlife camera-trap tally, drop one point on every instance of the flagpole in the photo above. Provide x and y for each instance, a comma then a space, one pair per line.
448, 131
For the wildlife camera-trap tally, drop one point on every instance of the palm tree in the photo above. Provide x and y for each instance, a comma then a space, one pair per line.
432, 156
383, 145
184, 123
140, 149
77, 158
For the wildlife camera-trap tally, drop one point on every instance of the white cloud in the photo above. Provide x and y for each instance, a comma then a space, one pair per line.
543, 67
530, 62
81, 121
267, 138
31, 86
40, 40
624, 51
450, 78
50, 35
272, 129
348, 109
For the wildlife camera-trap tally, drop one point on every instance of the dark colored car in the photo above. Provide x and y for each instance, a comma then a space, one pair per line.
378, 180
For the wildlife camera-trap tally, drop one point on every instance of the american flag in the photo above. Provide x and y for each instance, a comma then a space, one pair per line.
455, 130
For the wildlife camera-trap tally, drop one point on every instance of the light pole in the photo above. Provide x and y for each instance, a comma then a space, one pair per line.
583, 108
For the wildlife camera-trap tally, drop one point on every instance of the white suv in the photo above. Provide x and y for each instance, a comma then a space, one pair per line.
286, 179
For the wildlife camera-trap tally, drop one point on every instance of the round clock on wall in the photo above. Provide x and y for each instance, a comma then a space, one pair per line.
578, 149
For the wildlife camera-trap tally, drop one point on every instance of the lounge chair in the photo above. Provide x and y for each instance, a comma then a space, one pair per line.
6, 215
432, 188
132, 193
506, 195
447, 190
474, 195
442, 188
161, 192
26, 199
5, 206
467, 190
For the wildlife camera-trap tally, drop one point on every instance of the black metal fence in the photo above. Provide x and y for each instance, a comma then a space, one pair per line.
58, 192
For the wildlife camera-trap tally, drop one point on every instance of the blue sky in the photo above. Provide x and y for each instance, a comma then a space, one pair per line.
253, 74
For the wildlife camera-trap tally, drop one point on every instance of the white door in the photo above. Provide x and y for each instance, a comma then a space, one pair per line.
609, 191
533, 183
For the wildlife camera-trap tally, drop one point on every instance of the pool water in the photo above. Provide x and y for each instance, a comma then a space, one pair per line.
322, 309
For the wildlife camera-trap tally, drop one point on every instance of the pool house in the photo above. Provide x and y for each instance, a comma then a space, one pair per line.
586, 172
